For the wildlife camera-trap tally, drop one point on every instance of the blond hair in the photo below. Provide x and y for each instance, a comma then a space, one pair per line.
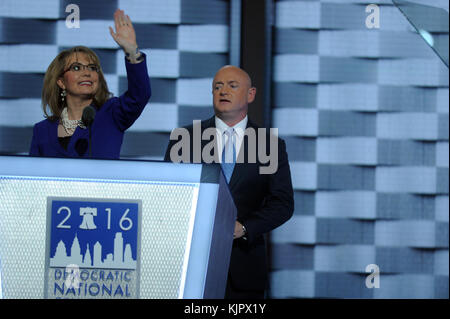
51, 92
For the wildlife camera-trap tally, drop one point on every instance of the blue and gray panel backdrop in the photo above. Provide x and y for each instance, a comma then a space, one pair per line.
364, 113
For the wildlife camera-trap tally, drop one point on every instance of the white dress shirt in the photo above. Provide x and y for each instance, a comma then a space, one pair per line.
239, 130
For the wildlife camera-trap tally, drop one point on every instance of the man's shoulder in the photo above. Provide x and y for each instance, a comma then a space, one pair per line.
267, 132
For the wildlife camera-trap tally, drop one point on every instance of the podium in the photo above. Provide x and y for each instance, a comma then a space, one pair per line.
78, 228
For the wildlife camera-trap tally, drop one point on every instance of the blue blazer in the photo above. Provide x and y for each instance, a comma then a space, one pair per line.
111, 121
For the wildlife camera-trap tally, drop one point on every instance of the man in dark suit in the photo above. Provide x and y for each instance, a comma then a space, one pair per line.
262, 193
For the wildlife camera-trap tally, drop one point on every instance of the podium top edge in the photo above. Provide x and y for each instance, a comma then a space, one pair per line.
123, 169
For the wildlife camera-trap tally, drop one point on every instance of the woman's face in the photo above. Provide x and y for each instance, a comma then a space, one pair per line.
80, 79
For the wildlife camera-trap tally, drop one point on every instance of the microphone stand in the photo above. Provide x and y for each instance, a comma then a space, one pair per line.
88, 118
90, 142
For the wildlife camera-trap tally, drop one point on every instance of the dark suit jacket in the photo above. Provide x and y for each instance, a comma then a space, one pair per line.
263, 202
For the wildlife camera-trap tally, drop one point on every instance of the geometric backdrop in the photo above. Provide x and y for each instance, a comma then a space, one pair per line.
364, 113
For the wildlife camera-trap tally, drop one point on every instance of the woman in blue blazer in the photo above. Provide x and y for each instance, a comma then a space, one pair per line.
73, 81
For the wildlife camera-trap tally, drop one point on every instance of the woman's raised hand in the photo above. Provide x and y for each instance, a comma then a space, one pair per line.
125, 35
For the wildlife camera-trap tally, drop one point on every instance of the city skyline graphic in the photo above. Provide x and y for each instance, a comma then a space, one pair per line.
121, 258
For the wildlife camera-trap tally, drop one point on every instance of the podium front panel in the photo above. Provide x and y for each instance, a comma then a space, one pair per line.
154, 201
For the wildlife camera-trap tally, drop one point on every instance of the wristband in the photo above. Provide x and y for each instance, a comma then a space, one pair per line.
138, 59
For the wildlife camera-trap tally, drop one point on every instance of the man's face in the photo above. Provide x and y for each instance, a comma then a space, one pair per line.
232, 92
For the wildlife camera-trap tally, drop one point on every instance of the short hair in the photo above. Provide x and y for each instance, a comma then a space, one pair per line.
51, 92
241, 71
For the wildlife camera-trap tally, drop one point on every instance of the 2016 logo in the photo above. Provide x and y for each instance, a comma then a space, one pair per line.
92, 248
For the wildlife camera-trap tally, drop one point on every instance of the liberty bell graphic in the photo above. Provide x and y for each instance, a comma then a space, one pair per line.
88, 214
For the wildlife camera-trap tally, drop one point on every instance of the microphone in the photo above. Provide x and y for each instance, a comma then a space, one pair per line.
88, 118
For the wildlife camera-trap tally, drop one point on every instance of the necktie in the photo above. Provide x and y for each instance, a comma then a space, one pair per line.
229, 154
